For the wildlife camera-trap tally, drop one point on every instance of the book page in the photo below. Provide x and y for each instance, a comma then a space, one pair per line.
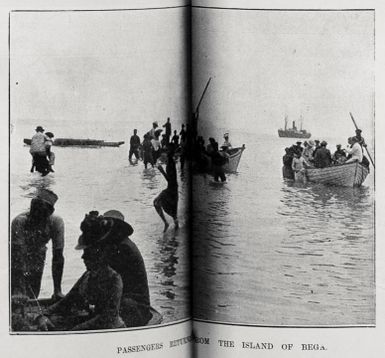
97, 215
288, 256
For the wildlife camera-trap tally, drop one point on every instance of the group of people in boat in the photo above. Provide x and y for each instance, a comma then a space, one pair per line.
315, 154
42, 156
113, 291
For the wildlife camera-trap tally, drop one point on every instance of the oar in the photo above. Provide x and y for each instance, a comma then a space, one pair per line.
203, 94
355, 124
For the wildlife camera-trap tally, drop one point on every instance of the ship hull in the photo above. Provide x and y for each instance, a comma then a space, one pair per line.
293, 134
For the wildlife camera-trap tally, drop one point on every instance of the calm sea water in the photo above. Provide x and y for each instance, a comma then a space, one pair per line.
266, 251
271, 252
101, 179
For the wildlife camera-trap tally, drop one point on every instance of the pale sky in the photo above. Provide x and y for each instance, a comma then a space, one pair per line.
265, 64
104, 66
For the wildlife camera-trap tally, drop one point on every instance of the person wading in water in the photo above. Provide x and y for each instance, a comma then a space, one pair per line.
167, 200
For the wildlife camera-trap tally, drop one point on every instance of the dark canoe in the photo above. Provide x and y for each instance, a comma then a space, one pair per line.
33, 309
67, 142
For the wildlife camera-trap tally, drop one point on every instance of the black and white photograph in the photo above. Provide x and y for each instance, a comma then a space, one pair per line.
283, 232
99, 195
192, 178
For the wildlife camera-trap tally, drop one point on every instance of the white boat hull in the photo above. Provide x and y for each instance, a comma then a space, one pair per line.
234, 158
349, 175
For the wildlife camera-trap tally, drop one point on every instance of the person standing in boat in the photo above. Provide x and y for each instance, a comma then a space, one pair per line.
167, 200
226, 144
355, 153
30, 234
134, 146
360, 139
322, 157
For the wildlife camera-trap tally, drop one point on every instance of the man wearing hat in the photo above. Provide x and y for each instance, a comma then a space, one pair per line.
355, 151
316, 146
298, 147
226, 144
30, 233
307, 153
124, 257
339, 155
360, 139
97, 293
134, 146
322, 157
38, 151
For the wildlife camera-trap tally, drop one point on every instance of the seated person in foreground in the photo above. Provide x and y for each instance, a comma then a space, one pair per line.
113, 233
93, 302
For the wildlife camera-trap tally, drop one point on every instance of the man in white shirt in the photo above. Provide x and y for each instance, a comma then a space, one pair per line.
355, 151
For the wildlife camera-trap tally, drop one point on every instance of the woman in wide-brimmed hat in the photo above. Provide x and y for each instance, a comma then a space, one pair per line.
125, 258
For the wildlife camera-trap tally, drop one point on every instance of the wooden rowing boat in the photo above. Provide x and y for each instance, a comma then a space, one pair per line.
234, 157
351, 174
33, 309
67, 142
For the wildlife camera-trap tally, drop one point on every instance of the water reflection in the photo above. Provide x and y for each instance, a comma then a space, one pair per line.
167, 263
36, 182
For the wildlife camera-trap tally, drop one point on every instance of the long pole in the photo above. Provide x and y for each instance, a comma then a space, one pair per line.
203, 94
355, 124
